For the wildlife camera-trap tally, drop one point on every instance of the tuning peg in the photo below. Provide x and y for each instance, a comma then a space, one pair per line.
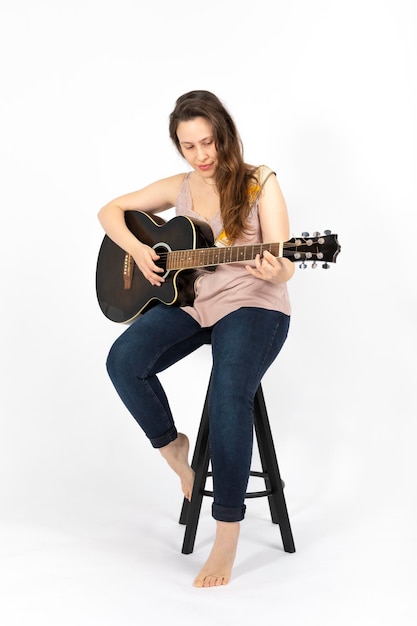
305, 234
314, 265
325, 266
327, 232
303, 265
316, 234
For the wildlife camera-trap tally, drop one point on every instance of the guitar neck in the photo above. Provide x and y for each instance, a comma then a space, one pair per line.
206, 257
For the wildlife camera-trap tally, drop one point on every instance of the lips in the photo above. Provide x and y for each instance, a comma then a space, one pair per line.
204, 168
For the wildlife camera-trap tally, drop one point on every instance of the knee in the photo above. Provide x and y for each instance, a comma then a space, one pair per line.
228, 390
116, 360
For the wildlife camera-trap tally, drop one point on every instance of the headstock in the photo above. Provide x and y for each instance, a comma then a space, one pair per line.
315, 248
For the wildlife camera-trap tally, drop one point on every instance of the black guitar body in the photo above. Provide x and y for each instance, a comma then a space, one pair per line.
122, 302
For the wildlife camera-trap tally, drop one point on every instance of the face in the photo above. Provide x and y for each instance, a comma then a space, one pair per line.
197, 145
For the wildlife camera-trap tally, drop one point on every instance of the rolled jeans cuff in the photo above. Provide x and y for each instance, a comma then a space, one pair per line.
164, 440
228, 514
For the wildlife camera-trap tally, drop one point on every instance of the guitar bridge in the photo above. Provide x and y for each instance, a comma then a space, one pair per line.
127, 271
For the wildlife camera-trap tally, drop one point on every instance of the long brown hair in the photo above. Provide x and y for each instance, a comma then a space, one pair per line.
233, 176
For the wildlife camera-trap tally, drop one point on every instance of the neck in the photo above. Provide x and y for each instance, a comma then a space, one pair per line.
210, 182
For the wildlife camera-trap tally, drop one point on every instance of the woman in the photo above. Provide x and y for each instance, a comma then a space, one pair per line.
242, 309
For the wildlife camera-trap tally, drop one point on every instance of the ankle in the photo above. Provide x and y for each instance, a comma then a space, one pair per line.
227, 531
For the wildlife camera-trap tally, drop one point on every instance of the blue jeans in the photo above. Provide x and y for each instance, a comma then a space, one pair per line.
244, 344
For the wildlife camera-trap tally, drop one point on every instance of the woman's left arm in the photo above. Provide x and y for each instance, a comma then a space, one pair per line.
273, 216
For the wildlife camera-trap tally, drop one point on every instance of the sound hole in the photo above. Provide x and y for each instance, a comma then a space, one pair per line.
162, 249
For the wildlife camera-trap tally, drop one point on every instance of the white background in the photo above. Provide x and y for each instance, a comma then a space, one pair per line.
323, 92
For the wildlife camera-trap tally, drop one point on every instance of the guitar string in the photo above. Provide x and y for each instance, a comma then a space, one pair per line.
228, 249
205, 257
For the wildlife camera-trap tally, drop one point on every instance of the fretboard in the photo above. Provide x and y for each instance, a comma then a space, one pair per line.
205, 257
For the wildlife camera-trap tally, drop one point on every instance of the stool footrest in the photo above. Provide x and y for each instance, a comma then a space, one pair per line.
249, 494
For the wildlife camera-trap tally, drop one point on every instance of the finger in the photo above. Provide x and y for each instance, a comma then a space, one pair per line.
254, 272
156, 281
270, 258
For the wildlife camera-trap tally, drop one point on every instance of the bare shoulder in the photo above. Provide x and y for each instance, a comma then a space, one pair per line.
271, 192
172, 184
176, 179
268, 180
272, 208
156, 196
165, 190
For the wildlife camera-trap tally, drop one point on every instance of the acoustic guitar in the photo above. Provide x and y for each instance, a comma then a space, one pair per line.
185, 247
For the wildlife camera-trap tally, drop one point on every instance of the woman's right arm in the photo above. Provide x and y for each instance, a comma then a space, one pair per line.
154, 198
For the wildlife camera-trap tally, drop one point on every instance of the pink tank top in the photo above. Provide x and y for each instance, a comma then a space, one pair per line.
230, 286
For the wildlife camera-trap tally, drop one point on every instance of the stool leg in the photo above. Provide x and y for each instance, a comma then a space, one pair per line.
276, 500
190, 512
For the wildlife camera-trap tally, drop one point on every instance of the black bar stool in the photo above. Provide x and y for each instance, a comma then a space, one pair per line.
274, 486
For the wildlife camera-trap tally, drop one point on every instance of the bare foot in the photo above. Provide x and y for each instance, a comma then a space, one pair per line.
176, 455
218, 568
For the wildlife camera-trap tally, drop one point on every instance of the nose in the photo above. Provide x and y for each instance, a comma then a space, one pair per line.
201, 153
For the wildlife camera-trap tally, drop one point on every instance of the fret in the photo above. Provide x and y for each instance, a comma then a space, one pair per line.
205, 257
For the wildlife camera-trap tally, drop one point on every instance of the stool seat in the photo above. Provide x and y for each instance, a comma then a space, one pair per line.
274, 486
